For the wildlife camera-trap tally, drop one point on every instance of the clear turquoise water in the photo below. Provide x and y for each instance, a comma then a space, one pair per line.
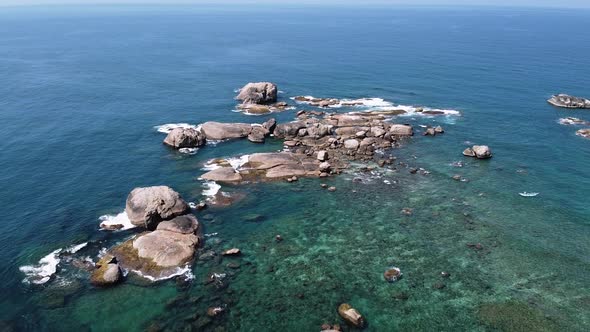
82, 90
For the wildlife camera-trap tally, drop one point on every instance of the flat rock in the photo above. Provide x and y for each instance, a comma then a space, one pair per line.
222, 174
401, 130
186, 224
221, 131
584, 132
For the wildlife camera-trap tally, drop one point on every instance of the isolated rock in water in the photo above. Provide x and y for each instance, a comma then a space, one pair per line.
220, 131
187, 224
584, 132
150, 205
401, 130
392, 274
223, 174
185, 138
351, 315
429, 132
567, 101
573, 121
478, 151
107, 272
258, 93
439, 130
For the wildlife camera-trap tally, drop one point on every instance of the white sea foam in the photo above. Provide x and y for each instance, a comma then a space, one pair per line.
189, 151
179, 271
212, 188
238, 162
210, 234
47, 266
166, 128
113, 220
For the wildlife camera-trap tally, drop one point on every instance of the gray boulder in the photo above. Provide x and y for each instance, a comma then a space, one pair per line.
185, 138
478, 151
107, 272
290, 129
223, 174
401, 130
221, 131
257, 135
187, 224
150, 205
258, 93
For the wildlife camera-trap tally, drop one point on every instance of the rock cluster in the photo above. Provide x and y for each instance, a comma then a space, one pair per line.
159, 253
478, 151
258, 93
567, 101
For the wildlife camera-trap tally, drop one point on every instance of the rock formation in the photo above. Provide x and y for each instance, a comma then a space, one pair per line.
258, 93
150, 205
107, 272
351, 315
584, 132
478, 151
185, 138
567, 101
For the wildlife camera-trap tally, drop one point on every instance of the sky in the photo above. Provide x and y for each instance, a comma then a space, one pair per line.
518, 3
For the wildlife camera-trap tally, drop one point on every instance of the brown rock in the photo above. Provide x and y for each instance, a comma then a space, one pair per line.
351, 315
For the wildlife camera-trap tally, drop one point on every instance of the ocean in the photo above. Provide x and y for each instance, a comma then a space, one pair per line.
84, 89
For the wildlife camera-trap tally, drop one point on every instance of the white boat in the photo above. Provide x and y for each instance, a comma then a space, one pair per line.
525, 194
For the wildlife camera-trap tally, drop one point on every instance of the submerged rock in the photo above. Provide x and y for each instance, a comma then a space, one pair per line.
351, 315
150, 205
567, 101
185, 138
478, 151
258, 93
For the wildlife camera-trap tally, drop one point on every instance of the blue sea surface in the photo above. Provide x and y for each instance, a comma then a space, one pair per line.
83, 88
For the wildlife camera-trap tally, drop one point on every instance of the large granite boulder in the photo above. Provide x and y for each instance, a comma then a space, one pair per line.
185, 138
219, 131
258, 93
150, 205
567, 101
478, 151
401, 130
107, 272
187, 224
165, 248
257, 134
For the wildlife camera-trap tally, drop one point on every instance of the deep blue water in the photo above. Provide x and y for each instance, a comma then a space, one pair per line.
82, 88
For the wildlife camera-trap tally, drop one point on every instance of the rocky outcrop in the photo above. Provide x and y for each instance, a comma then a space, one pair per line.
185, 138
351, 315
258, 93
567, 101
161, 253
478, 151
584, 132
150, 205
257, 109
107, 272
218, 131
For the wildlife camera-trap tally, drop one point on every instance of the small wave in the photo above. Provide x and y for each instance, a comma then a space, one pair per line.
235, 162
571, 121
109, 222
238, 162
212, 188
47, 266
210, 234
166, 128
